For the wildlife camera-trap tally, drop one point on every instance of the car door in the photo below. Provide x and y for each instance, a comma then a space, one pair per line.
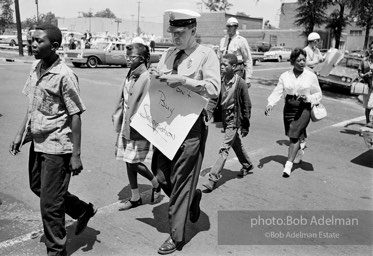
116, 54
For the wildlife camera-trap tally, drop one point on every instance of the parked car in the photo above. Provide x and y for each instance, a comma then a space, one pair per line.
257, 56
278, 53
163, 43
342, 75
103, 53
11, 38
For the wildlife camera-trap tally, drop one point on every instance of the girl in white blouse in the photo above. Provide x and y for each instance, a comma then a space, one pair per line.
301, 89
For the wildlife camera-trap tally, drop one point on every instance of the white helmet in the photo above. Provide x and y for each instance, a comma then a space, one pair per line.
232, 21
313, 36
138, 40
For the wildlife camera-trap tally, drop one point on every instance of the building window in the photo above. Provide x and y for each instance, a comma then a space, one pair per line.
356, 32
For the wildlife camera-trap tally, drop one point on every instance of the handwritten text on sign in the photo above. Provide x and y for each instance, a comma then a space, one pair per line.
166, 115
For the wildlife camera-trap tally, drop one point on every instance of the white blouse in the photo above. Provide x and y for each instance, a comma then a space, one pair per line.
305, 84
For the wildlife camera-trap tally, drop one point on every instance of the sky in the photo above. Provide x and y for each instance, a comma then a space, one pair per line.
150, 10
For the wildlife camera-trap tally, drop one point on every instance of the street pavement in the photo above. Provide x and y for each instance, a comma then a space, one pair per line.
336, 174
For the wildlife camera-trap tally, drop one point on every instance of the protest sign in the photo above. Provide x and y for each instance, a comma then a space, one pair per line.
333, 56
166, 115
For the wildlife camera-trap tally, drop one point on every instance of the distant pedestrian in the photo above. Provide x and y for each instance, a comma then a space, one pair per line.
53, 116
314, 55
152, 43
133, 148
196, 68
236, 107
237, 45
366, 72
301, 89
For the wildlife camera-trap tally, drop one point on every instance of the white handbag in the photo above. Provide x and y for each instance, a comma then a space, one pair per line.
318, 112
359, 87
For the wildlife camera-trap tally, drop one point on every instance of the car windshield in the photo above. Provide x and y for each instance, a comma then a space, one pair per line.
350, 63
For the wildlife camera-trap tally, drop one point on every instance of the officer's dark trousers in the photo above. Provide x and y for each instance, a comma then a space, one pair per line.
179, 177
49, 179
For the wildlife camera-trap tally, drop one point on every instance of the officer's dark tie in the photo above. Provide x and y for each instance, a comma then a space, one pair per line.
177, 61
226, 49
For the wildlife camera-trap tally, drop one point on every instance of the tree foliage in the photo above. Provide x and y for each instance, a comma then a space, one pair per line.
311, 13
361, 12
6, 17
217, 5
107, 13
338, 20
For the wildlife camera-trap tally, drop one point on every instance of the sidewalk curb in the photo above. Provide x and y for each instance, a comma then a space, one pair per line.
2, 59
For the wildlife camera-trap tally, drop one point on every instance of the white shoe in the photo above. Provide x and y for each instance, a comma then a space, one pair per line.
299, 156
287, 170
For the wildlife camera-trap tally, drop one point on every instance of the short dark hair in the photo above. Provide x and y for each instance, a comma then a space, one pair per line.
232, 59
143, 50
295, 54
53, 32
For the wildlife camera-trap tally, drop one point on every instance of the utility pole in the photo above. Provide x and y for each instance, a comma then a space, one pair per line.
118, 21
138, 18
19, 28
37, 11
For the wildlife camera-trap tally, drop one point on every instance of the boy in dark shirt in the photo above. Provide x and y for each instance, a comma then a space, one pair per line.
236, 108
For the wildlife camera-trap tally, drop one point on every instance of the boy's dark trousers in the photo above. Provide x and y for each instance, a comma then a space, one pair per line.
232, 139
49, 179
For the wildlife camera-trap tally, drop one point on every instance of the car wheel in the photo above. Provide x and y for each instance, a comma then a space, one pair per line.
92, 62
77, 65
279, 59
12, 43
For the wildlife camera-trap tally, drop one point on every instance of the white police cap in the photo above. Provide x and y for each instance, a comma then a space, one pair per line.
181, 18
232, 21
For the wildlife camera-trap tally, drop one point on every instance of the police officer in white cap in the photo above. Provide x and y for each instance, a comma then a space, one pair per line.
236, 44
194, 67
314, 55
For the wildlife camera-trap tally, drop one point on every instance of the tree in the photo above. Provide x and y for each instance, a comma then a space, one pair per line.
87, 14
107, 13
29, 22
338, 20
311, 13
217, 5
361, 11
48, 18
6, 17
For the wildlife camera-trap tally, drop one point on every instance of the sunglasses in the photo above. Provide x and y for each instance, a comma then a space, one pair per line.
231, 26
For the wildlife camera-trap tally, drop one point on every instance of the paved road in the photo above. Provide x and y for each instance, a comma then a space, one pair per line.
336, 174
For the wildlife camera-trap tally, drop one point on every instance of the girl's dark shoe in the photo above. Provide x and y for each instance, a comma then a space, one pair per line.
130, 204
156, 193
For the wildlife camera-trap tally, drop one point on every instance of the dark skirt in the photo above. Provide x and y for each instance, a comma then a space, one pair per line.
297, 115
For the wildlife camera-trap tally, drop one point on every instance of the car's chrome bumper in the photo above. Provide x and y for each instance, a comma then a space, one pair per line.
76, 60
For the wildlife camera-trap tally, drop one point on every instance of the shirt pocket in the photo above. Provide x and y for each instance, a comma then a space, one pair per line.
191, 67
47, 105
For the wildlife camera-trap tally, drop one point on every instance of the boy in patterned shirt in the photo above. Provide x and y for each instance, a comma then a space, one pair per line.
54, 124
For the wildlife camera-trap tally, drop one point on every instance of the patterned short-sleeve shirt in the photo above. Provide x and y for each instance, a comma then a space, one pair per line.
53, 98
